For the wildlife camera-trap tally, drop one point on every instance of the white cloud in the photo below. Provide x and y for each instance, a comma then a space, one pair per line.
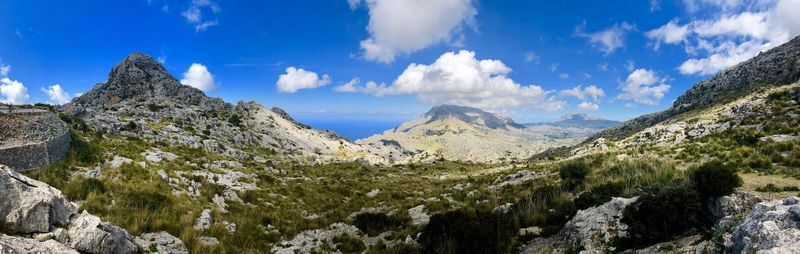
403, 27
731, 37
199, 77
13, 92
583, 93
56, 95
608, 40
563, 76
670, 33
588, 106
654, 5
296, 79
349, 87
643, 86
194, 14
460, 78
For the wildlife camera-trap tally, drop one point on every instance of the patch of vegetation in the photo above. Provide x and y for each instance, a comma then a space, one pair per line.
80, 188
235, 120
469, 231
771, 187
82, 152
661, 213
714, 179
599, 194
349, 244
574, 173
376, 223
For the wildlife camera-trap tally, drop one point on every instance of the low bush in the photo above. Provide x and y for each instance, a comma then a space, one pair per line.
661, 213
81, 151
574, 172
235, 120
715, 178
376, 223
80, 188
349, 244
466, 231
770, 187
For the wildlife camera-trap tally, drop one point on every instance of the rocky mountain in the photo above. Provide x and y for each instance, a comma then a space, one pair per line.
775, 67
141, 99
470, 134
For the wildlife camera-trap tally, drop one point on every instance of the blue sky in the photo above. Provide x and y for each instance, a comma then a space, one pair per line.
531, 60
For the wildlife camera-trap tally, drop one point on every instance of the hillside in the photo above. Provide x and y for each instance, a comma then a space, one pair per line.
470, 134
141, 99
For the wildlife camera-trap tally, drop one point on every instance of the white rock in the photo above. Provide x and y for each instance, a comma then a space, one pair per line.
418, 215
230, 226
88, 234
156, 156
220, 202
771, 227
118, 161
30, 206
164, 243
14, 245
373, 193
204, 221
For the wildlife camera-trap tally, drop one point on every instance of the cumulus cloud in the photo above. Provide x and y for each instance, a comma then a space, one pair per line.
349, 87
670, 33
297, 79
588, 106
56, 95
403, 27
194, 15
584, 93
531, 57
730, 37
199, 77
13, 92
462, 79
643, 86
609, 39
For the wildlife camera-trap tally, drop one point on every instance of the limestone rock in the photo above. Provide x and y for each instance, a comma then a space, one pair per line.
771, 227
30, 206
418, 215
204, 221
693, 244
163, 242
20, 245
308, 240
591, 230
90, 235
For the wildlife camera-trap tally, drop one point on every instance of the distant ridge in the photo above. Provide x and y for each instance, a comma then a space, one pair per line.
471, 115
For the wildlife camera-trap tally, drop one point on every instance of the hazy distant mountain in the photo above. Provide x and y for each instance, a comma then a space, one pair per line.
470, 134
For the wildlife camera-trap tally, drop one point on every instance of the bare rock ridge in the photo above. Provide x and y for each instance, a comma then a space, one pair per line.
775, 67
471, 115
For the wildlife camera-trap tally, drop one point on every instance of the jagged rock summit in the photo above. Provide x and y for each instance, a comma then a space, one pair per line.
141, 80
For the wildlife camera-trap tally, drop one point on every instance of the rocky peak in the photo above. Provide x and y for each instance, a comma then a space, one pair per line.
470, 115
139, 80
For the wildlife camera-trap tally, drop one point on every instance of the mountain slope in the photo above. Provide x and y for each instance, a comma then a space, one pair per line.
141, 99
470, 134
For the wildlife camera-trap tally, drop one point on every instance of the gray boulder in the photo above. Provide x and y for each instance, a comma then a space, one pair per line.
30, 206
163, 242
771, 227
20, 245
693, 244
88, 234
591, 230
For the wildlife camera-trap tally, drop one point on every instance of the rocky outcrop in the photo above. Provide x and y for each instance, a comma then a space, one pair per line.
771, 227
32, 208
29, 206
590, 231
693, 244
163, 242
21, 245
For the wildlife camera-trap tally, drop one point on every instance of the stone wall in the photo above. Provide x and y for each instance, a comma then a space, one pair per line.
30, 141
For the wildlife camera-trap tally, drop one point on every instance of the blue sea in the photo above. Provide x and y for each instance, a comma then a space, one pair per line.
352, 129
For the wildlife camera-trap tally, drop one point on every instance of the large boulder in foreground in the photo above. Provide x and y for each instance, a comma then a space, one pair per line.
771, 227
30, 206
590, 231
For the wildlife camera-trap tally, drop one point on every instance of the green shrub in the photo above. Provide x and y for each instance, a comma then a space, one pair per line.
81, 151
599, 195
235, 120
376, 223
349, 244
574, 172
661, 213
714, 178
464, 231
145, 200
